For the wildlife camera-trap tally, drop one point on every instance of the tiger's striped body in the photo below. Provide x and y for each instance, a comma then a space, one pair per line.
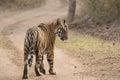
40, 40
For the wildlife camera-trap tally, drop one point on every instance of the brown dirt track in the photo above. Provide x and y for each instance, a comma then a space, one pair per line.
12, 32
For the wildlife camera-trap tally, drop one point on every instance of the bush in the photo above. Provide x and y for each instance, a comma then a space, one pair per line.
101, 10
21, 3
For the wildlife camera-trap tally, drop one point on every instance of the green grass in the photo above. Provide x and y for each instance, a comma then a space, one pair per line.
78, 42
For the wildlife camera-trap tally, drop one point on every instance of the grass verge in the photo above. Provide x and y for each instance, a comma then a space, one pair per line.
78, 42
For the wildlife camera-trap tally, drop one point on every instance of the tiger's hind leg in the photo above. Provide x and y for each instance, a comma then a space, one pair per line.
37, 65
42, 69
25, 71
50, 58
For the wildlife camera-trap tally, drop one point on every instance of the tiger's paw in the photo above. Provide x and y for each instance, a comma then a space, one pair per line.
52, 72
39, 74
25, 77
43, 71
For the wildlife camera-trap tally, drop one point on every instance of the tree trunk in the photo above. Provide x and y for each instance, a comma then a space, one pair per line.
71, 11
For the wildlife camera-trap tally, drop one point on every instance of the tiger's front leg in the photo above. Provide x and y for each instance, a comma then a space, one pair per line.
50, 58
42, 69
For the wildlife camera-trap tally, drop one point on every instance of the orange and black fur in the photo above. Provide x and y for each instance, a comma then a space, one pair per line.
40, 40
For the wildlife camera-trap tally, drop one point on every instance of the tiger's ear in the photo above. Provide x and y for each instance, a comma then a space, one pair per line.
64, 21
58, 21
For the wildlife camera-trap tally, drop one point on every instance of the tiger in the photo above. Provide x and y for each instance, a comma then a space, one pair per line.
40, 40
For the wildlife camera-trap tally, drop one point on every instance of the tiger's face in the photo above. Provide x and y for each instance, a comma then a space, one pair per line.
62, 29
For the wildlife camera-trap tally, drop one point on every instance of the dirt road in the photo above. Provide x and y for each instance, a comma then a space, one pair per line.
12, 32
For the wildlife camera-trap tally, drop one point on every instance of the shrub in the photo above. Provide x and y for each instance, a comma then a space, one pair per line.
101, 10
21, 3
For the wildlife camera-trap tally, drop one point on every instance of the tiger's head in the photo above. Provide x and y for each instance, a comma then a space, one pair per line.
62, 29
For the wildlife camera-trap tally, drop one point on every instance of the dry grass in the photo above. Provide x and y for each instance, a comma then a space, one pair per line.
7, 44
21, 3
101, 10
